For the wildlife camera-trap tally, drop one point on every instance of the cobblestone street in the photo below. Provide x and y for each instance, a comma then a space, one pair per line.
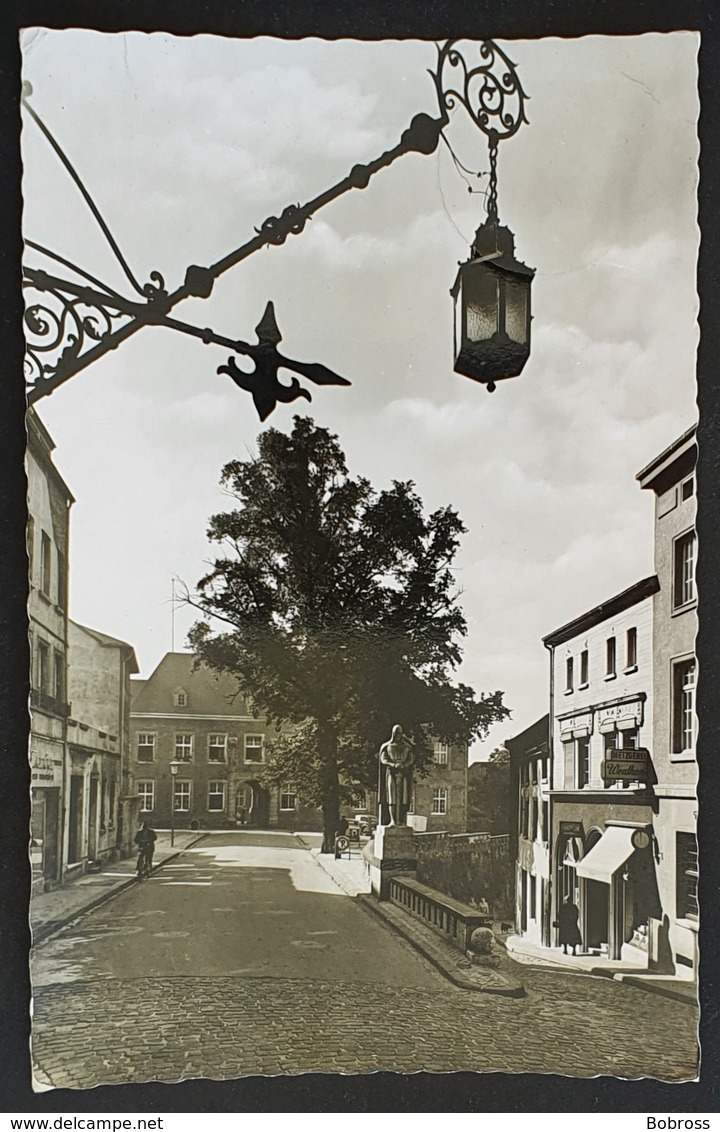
219, 967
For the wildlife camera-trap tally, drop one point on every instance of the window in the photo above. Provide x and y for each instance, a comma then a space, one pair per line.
184, 747
183, 794
288, 798
686, 884
631, 648
568, 762
43, 666
45, 564
534, 803
629, 739
546, 821
180, 698
145, 747
533, 897
610, 656
146, 790
61, 579
440, 753
30, 543
683, 708
582, 754
217, 748
569, 674
254, 749
439, 800
112, 793
58, 684
584, 666
684, 567
688, 489
216, 795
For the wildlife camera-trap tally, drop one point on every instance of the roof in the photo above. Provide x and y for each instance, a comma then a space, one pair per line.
599, 613
530, 740
208, 693
109, 642
672, 464
41, 444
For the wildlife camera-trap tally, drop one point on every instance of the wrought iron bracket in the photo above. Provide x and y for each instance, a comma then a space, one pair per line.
70, 325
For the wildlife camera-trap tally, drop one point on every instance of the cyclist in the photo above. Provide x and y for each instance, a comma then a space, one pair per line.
145, 839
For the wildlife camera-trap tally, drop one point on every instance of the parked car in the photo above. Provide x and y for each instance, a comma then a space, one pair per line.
364, 824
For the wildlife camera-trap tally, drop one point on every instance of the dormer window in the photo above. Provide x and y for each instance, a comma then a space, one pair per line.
180, 697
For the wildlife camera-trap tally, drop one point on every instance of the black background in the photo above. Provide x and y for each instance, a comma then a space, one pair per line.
368, 19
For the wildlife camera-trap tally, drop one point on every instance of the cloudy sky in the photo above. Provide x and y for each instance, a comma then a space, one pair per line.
187, 144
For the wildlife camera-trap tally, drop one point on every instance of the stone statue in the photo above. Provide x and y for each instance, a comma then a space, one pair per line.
396, 763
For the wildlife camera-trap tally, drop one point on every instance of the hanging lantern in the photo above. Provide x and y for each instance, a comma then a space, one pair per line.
492, 308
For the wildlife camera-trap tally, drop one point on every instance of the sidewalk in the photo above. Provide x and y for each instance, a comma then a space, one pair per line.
631, 972
349, 873
50, 911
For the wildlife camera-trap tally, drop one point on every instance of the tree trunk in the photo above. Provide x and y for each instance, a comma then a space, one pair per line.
327, 746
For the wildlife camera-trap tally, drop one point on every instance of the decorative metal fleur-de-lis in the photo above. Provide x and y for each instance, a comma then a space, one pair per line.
263, 382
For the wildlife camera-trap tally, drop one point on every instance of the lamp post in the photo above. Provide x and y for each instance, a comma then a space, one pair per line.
174, 768
72, 320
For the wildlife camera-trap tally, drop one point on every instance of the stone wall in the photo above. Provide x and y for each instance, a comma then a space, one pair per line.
468, 867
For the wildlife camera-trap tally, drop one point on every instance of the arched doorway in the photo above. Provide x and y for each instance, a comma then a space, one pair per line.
252, 805
595, 905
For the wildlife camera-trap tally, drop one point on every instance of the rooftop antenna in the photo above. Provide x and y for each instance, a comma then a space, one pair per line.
172, 615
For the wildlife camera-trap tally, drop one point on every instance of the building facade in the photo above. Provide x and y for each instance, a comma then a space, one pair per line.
102, 806
187, 715
529, 820
674, 931
601, 711
48, 535
440, 795
489, 793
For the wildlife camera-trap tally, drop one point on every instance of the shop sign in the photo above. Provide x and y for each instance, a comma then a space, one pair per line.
571, 829
626, 765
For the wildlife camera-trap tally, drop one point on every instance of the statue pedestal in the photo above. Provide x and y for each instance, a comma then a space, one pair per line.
393, 853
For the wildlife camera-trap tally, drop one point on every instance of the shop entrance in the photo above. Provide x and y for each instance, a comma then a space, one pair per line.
596, 904
597, 909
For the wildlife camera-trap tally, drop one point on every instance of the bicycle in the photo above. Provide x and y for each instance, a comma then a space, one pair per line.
144, 863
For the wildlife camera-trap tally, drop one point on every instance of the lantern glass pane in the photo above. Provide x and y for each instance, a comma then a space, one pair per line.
480, 295
516, 310
458, 323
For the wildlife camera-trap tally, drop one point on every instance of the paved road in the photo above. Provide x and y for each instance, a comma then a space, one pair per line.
243, 957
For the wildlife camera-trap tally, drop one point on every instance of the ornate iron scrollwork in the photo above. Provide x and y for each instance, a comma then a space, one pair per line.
59, 328
490, 92
276, 229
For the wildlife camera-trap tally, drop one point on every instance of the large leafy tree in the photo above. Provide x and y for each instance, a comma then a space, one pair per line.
336, 608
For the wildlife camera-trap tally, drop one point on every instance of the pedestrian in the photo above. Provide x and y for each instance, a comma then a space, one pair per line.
145, 839
569, 931
342, 826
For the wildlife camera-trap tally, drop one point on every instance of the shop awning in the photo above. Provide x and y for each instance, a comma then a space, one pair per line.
607, 855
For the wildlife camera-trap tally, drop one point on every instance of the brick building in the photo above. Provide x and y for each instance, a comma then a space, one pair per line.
190, 715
